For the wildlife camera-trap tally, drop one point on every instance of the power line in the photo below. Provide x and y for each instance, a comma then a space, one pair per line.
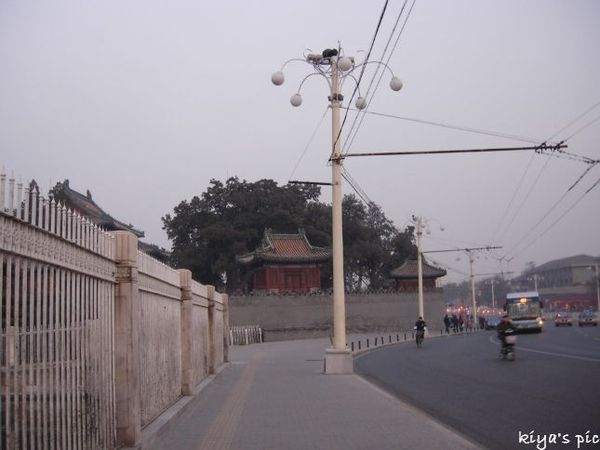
312, 137
531, 188
583, 128
587, 160
574, 121
538, 148
361, 74
356, 187
456, 127
512, 198
359, 118
552, 208
558, 220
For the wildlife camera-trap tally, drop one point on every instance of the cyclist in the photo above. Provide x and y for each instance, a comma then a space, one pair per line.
420, 327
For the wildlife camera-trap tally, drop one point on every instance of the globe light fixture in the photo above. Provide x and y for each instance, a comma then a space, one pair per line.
277, 78
296, 100
361, 103
396, 84
345, 63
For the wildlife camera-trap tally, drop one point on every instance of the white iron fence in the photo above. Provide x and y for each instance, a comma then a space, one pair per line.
245, 335
56, 341
75, 299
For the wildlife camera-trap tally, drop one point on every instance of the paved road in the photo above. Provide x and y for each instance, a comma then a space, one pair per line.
552, 387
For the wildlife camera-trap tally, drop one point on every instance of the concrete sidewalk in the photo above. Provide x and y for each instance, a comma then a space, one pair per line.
275, 396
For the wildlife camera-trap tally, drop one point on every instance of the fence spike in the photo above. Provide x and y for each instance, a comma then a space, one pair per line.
2, 188
19, 206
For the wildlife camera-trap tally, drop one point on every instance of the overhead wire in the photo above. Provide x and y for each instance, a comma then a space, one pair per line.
575, 120
359, 118
309, 143
378, 68
571, 123
361, 195
361, 74
558, 219
455, 127
518, 210
583, 128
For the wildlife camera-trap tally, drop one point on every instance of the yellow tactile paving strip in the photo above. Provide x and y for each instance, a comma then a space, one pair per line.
222, 429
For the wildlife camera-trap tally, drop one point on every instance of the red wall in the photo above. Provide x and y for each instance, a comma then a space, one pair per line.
288, 278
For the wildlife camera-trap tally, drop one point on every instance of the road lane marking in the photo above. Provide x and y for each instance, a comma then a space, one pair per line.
222, 430
560, 355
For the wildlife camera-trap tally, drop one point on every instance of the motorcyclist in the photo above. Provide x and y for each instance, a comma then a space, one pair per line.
504, 329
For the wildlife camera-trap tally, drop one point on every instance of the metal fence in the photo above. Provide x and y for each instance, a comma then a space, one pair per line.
245, 335
56, 321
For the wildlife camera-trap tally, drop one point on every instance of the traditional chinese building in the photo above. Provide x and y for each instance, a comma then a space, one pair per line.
285, 263
407, 278
87, 207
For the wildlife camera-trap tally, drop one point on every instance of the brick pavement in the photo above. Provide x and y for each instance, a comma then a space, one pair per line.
273, 396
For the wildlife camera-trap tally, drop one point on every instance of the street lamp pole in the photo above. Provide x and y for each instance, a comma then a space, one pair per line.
339, 307
336, 67
419, 224
597, 286
471, 261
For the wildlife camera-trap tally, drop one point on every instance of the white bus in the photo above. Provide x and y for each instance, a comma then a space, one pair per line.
524, 310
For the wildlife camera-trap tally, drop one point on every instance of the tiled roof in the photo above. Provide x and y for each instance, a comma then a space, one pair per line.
409, 270
286, 248
87, 207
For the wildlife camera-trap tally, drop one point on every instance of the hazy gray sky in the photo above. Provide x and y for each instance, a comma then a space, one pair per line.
142, 102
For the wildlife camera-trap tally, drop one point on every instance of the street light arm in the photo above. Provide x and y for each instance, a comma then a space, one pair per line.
311, 75
290, 60
375, 62
355, 82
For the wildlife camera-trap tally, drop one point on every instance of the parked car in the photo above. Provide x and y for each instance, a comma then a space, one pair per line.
588, 318
491, 322
563, 319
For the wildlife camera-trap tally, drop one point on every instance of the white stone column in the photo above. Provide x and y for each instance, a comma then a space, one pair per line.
127, 330
211, 328
225, 328
187, 333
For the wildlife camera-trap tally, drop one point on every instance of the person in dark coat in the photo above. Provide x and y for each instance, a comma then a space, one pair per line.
447, 323
455, 323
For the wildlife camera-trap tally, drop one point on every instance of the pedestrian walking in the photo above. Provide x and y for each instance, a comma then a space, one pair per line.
447, 323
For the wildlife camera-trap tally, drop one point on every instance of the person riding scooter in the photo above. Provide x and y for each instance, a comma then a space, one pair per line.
504, 329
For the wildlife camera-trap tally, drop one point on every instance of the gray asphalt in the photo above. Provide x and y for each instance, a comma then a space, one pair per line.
553, 386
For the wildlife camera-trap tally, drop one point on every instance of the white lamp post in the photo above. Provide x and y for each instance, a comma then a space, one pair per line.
335, 68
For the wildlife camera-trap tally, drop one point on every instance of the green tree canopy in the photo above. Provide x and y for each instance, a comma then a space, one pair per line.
229, 219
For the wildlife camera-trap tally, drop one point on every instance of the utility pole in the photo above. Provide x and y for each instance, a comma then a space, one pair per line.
419, 223
335, 67
472, 277
597, 286
470, 253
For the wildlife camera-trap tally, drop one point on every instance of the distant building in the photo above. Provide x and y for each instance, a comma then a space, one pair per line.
563, 284
87, 207
407, 279
284, 263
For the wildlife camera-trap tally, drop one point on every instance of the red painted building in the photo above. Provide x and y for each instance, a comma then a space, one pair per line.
285, 263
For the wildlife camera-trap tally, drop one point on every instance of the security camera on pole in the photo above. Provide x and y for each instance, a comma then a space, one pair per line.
335, 67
